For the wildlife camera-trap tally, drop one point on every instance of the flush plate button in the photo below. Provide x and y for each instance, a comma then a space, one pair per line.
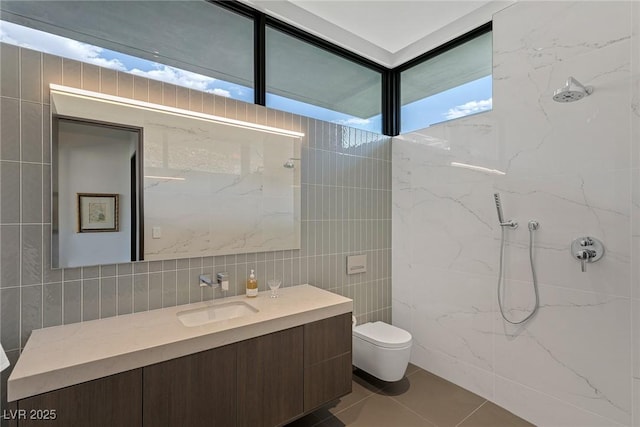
356, 264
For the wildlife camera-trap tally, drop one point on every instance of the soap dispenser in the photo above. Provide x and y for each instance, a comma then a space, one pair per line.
252, 285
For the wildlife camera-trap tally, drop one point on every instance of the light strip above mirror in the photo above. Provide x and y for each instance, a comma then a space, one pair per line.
111, 99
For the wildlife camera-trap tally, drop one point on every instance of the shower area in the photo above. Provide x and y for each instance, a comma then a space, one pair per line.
574, 169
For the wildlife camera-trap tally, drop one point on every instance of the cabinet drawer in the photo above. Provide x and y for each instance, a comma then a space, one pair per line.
327, 360
327, 338
195, 390
326, 381
114, 401
270, 377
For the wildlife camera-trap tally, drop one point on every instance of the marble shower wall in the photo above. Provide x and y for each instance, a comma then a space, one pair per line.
572, 167
346, 209
635, 207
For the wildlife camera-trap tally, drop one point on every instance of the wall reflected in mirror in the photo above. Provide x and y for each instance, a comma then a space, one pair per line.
206, 187
218, 192
96, 216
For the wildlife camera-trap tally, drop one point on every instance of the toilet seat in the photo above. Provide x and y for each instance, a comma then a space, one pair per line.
383, 335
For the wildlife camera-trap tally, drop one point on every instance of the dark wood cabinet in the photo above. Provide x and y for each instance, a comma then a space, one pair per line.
327, 360
195, 390
264, 381
114, 401
270, 378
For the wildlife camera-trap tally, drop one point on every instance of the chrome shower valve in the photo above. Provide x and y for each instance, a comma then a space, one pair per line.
587, 250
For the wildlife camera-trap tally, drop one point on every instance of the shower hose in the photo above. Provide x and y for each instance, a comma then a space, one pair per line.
532, 227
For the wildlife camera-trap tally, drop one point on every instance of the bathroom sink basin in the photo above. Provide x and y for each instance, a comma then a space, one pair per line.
215, 313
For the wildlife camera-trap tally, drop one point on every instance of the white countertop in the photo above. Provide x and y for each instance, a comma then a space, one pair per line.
66, 355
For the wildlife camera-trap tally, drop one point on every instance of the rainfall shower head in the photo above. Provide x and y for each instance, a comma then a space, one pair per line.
572, 91
289, 163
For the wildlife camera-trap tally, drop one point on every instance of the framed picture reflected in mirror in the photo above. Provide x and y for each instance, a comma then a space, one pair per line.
97, 212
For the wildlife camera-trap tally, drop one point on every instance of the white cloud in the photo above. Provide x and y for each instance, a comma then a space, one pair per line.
220, 92
56, 45
470, 107
353, 121
5, 37
176, 76
61, 46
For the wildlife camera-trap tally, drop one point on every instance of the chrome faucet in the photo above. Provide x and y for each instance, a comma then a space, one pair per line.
206, 280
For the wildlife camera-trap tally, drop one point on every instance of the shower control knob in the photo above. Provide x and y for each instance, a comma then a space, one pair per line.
585, 256
587, 241
587, 250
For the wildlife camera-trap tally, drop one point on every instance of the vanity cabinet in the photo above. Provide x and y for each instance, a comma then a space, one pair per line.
195, 390
263, 381
115, 400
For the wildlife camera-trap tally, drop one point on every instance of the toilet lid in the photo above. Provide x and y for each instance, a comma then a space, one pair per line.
382, 334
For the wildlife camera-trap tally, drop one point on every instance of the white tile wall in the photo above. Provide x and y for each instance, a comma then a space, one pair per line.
635, 206
574, 168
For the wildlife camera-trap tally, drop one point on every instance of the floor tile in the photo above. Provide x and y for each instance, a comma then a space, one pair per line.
368, 381
376, 411
411, 369
308, 420
434, 398
419, 399
491, 415
361, 388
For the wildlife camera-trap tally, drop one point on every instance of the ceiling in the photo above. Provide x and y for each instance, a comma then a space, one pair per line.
387, 32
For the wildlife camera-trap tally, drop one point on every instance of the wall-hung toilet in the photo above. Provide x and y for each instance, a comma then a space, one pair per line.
381, 350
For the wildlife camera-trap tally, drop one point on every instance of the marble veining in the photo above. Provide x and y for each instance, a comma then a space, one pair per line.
582, 370
596, 392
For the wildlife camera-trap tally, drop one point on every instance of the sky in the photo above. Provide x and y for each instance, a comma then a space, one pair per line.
68, 48
470, 98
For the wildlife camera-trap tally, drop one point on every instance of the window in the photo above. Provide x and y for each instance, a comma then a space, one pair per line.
209, 46
308, 80
189, 43
453, 84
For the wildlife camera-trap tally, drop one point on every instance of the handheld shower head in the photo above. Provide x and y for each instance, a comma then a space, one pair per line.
496, 197
572, 91
503, 223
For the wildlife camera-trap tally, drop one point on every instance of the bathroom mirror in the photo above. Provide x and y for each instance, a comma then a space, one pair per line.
190, 184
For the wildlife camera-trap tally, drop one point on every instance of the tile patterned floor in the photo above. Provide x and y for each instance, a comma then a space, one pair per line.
421, 399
